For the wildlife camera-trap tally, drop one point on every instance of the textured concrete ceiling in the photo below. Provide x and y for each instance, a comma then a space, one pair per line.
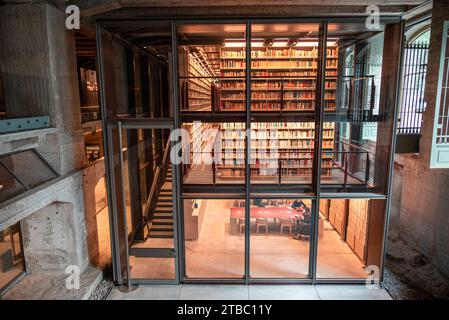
96, 7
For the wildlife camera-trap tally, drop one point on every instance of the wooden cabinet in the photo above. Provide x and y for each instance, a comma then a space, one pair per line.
338, 215
365, 229
324, 207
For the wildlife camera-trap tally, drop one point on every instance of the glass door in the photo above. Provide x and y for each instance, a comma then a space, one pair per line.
145, 199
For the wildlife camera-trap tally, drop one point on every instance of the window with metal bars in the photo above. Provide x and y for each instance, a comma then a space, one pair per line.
440, 143
413, 103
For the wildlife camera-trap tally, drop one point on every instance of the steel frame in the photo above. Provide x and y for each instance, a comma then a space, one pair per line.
237, 192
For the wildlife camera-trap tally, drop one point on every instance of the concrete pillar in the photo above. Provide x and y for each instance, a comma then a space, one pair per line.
49, 239
38, 61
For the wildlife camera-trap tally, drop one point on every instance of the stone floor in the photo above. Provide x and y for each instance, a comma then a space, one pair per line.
52, 286
252, 292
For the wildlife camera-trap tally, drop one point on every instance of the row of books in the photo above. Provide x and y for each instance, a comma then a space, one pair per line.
277, 53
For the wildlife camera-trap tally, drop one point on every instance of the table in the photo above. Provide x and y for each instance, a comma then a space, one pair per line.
266, 212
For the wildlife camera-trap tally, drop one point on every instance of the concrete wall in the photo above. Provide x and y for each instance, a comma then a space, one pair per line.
38, 61
423, 218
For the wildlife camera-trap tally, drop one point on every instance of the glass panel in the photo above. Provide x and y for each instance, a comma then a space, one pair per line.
216, 153
9, 186
147, 176
351, 239
359, 105
137, 81
212, 67
21, 163
280, 238
214, 238
284, 67
11, 255
282, 152
152, 268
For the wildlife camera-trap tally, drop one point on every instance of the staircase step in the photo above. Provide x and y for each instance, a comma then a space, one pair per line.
164, 204
161, 234
159, 221
163, 215
165, 199
161, 228
163, 210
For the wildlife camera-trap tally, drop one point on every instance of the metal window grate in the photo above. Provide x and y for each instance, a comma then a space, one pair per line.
442, 136
413, 103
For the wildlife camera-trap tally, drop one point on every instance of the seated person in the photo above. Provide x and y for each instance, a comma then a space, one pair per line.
298, 204
303, 227
258, 203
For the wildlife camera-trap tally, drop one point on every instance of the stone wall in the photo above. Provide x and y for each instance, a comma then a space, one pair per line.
423, 217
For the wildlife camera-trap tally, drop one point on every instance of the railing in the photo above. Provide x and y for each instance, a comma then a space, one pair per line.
354, 162
413, 104
357, 98
156, 186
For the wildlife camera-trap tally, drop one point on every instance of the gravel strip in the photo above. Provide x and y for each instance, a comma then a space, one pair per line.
400, 289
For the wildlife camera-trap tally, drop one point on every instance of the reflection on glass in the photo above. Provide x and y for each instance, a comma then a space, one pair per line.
9, 186
20, 164
356, 91
137, 81
214, 238
352, 237
11, 255
280, 238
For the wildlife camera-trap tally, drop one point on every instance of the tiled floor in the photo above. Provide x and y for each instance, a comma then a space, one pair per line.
252, 292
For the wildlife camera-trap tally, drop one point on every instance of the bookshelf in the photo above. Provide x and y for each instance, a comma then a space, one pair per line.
202, 137
275, 146
282, 78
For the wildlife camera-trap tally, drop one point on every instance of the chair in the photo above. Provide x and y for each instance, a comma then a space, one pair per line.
287, 223
261, 222
241, 224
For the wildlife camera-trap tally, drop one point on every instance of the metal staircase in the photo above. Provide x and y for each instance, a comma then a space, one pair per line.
162, 223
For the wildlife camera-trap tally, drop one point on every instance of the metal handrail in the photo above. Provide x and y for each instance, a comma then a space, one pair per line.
158, 181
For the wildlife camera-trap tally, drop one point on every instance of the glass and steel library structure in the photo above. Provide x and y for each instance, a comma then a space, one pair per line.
249, 150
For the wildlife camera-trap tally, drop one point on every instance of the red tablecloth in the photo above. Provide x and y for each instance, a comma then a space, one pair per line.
273, 213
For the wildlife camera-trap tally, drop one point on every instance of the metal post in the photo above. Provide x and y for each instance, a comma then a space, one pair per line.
128, 287
176, 175
319, 119
248, 150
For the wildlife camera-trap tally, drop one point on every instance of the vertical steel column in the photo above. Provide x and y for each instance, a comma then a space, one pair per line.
389, 186
107, 157
248, 151
319, 115
120, 157
176, 180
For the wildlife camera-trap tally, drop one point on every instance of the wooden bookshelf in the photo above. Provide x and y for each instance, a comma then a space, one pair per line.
202, 136
287, 147
282, 78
